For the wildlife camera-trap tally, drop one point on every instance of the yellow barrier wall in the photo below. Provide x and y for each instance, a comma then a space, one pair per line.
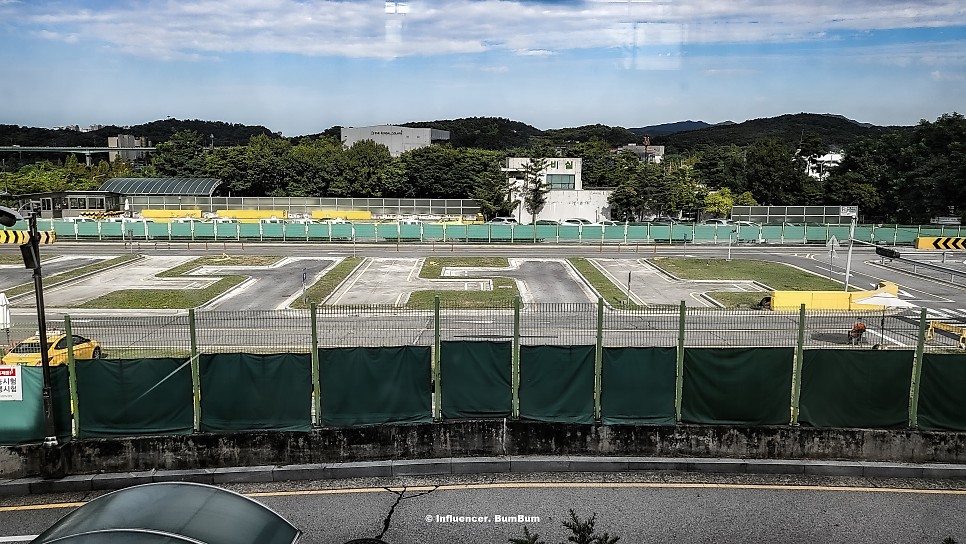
829, 300
252, 216
348, 215
165, 216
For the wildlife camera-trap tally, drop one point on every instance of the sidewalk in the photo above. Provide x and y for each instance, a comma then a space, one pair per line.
482, 465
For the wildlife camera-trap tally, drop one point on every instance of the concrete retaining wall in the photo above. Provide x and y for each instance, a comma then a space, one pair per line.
477, 438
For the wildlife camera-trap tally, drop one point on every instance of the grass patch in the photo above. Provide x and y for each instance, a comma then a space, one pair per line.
777, 276
612, 294
71, 274
433, 266
328, 282
736, 300
18, 259
502, 295
171, 299
134, 352
163, 298
218, 260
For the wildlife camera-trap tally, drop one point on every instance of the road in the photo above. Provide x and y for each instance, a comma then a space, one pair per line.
638, 507
544, 278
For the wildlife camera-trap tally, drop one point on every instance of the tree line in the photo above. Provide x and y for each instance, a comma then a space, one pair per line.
905, 176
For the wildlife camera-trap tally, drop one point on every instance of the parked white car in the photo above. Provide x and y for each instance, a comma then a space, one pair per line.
579, 221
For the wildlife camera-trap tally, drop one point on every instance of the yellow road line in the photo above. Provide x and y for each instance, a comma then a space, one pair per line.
551, 485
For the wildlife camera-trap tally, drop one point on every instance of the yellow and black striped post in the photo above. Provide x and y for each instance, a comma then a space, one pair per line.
945, 243
23, 236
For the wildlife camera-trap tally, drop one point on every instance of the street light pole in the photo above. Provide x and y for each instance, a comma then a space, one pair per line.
33, 246
848, 260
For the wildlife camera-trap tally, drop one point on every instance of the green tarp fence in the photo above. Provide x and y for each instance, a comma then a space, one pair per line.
855, 388
737, 386
371, 386
637, 386
475, 379
942, 392
133, 397
557, 383
22, 421
244, 392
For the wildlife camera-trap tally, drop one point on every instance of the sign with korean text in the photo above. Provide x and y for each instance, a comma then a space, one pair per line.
10, 383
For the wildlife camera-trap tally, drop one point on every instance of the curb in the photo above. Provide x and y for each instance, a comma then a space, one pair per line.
482, 465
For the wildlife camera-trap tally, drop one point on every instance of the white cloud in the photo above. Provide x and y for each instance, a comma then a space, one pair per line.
207, 28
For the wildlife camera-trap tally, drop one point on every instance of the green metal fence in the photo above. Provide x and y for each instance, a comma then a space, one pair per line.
577, 363
791, 234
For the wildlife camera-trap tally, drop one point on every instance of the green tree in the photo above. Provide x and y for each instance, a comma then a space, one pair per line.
774, 174
535, 187
183, 155
719, 203
624, 202
370, 172
745, 199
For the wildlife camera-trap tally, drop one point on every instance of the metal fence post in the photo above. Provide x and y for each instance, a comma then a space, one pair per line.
679, 373
437, 386
598, 357
195, 368
72, 369
316, 375
797, 367
515, 357
917, 372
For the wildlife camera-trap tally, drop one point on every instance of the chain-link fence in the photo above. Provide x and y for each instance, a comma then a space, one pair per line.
291, 331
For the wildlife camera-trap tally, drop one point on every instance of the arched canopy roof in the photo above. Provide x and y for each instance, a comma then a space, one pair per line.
162, 186
172, 513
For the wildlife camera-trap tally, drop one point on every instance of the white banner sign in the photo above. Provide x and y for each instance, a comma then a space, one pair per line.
10, 383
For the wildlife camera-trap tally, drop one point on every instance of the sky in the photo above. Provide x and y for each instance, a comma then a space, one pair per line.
301, 66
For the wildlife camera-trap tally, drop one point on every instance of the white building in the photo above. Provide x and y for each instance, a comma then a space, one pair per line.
127, 140
820, 167
397, 139
566, 198
653, 154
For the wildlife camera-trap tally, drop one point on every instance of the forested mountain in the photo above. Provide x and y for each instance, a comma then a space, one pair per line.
670, 128
614, 136
493, 133
155, 131
835, 131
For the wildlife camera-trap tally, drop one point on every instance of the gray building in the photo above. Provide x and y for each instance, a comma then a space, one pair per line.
397, 139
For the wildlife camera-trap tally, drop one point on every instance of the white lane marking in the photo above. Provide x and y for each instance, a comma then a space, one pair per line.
21, 538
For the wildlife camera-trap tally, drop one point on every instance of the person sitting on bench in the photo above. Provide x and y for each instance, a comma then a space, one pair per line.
855, 335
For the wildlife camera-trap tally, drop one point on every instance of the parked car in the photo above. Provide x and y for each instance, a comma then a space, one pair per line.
746, 224
718, 222
547, 222
579, 221
608, 223
503, 221
27, 352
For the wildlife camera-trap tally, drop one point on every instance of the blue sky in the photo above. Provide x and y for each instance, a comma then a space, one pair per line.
299, 67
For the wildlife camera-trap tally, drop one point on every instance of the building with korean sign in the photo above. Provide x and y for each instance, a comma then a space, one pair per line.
566, 198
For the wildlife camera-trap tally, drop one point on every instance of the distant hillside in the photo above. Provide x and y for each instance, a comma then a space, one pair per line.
835, 130
155, 131
614, 136
494, 133
670, 128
